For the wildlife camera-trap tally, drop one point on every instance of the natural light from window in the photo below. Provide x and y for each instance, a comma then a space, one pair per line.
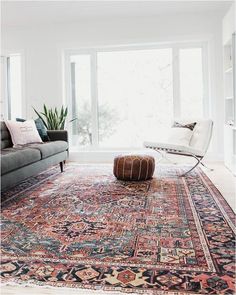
134, 95
123, 97
191, 82
14, 86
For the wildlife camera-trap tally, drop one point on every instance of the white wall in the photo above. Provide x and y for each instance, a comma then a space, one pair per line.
229, 23
43, 46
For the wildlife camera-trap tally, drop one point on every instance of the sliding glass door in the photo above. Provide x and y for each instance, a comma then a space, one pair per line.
122, 97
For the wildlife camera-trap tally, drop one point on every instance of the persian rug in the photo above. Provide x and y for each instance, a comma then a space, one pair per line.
85, 229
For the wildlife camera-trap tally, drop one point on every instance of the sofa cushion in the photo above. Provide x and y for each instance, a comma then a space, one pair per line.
50, 148
14, 158
5, 136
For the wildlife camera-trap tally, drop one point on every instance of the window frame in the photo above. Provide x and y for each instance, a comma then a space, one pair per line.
92, 51
6, 95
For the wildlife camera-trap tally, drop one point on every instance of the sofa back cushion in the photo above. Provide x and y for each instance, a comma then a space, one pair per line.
6, 141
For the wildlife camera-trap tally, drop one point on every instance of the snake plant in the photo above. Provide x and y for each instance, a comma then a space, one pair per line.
53, 119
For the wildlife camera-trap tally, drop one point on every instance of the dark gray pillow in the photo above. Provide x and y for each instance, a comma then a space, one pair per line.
189, 125
40, 127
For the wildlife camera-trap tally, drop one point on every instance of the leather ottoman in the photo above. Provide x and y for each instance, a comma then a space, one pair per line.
134, 167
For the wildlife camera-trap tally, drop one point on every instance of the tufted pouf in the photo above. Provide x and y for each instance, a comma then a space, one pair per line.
134, 167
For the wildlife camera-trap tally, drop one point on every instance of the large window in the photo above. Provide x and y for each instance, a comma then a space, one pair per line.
122, 97
191, 82
81, 99
134, 96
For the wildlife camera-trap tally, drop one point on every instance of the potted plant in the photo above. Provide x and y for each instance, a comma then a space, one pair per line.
54, 121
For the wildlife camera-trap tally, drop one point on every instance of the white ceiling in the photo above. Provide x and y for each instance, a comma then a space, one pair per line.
21, 13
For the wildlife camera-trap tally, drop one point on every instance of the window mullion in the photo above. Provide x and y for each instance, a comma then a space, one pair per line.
176, 83
205, 81
9, 102
94, 99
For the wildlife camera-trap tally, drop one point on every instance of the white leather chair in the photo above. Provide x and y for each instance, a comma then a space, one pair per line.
198, 144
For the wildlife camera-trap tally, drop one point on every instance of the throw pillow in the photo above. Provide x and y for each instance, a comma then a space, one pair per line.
180, 136
40, 127
23, 132
189, 125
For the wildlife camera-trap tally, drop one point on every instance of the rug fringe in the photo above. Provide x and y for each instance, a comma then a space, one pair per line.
103, 290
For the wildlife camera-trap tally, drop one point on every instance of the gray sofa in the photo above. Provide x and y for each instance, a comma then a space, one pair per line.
20, 163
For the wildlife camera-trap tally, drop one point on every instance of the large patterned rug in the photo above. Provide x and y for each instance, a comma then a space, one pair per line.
83, 228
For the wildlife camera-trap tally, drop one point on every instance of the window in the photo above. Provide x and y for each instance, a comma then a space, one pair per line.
134, 96
191, 82
14, 86
122, 97
81, 99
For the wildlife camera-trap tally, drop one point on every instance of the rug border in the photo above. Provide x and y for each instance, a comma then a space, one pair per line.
230, 212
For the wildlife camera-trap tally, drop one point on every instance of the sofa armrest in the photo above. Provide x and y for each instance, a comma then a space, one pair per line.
58, 135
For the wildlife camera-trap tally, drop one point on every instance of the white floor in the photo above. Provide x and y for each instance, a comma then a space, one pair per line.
223, 180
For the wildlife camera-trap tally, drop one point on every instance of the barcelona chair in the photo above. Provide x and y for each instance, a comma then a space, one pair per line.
197, 147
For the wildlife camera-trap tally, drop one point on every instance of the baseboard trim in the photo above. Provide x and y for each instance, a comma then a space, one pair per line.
107, 156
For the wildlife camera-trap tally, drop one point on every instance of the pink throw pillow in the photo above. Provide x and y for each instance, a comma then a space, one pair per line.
23, 132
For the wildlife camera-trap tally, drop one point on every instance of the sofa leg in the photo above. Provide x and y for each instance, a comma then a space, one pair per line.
61, 166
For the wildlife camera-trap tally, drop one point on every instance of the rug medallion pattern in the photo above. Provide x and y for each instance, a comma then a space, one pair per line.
83, 228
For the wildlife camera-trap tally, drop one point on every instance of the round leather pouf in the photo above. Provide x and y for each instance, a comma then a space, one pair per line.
134, 167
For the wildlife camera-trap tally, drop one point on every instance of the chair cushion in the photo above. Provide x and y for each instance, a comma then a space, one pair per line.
14, 158
50, 148
180, 136
181, 149
202, 133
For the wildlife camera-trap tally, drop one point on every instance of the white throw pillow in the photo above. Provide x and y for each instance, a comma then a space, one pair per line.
23, 132
180, 136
